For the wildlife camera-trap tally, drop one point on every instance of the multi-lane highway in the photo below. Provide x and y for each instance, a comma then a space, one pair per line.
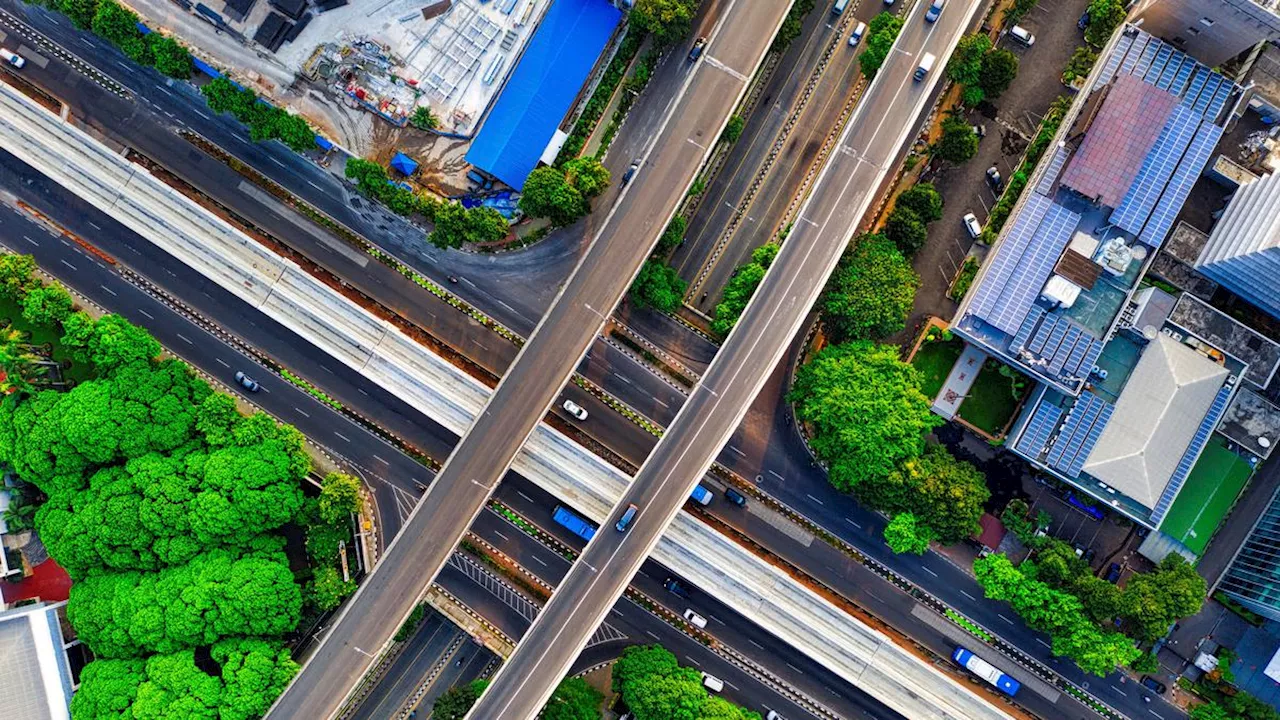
877, 133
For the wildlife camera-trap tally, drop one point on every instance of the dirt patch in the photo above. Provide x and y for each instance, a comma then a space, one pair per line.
442, 160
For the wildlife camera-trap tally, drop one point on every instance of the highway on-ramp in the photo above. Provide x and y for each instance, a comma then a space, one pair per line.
876, 134
737, 41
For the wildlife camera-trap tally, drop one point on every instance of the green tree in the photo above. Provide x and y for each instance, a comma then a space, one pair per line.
411, 623
456, 226
573, 699
965, 65
658, 286
1210, 711
865, 408
548, 194
638, 661
17, 277
339, 497
740, 288
678, 695
587, 174
328, 589
119, 26
47, 305
906, 230
924, 200
958, 142
170, 57
1104, 17
108, 343
423, 119
672, 236
108, 688
792, 24
254, 673
881, 33
667, 20
870, 293
1154, 601
945, 494
905, 534
999, 68
456, 702
21, 365
1145, 663
81, 12
733, 129
1101, 600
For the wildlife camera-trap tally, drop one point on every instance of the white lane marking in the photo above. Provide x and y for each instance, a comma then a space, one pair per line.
851, 522
344, 437
33, 242
779, 477
504, 537
540, 561
109, 290
1120, 691
94, 225
184, 338
380, 459
315, 186
969, 596
793, 667
222, 362
737, 451
1042, 642
64, 262
1002, 617
144, 312
301, 411
650, 634
814, 499
753, 642
203, 115
623, 379
922, 567
526, 497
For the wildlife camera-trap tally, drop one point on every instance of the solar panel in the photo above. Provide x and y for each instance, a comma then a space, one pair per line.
1051, 173
1113, 60
1219, 100
1206, 95
1042, 335
1184, 75
1064, 447
1034, 439
1101, 417
1064, 350
1157, 66
1197, 84
1055, 340
1043, 250
1009, 253
1135, 52
1170, 70
1029, 324
1072, 366
1156, 170
1148, 55
1184, 178
1192, 453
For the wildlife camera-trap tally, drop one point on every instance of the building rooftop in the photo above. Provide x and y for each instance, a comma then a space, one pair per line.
1211, 325
1253, 423
1167, 395
34, 680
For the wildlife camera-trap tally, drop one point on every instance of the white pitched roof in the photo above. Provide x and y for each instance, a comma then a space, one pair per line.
1158, 412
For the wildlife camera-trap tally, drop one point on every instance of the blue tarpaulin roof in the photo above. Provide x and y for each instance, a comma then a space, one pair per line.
404, 164
552, 70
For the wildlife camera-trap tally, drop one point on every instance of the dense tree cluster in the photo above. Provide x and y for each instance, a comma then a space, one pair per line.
655, 687
881, 33
573, 699
1104, 17
118, 25
945, 495
562, 194
455, 225
906, 534
958, 141
666, 20
672, 236
871, 292
265, 121
740, 288
983, 70
658, 286
907, 226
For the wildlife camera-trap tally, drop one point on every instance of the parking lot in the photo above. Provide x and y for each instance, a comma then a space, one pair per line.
1010, 123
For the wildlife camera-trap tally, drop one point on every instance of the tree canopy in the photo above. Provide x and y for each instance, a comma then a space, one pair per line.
456, 226
958, 142
573, 699
905, 534
667, 20
881, 33
655, 687
944, 494
548, 194
999, 68
740, 288
871, 292
965, 65
1104, 17
456, 702
658, 286
865, 408
265, 121
906, 230
924, 200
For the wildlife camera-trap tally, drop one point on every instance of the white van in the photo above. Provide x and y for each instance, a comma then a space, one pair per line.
712, 683
695, 619
858, 32
1022, 35
926, 64
12, 58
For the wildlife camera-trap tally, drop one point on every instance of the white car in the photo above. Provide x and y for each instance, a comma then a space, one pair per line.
712, 683
1022, 35
971, 224
695, 619
12, 58
575, 409
858, 32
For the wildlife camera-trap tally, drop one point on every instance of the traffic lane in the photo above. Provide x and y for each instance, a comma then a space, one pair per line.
423, 651
465, 664
725, 623
395, 478
719, 402
693, 350
643, 627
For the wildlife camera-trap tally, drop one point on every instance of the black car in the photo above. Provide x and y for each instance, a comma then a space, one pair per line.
735, 497
247, 382
677, 588
1088, 555
1083, 22
1153, 684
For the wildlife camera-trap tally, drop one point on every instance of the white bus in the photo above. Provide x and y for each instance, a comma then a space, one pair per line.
986, 671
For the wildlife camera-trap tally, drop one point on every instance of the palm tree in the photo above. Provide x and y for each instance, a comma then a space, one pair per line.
20, 364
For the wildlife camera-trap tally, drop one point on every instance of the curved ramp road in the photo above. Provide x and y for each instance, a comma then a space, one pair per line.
877, 132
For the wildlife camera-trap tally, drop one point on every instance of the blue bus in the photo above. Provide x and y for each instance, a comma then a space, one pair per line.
839, 6
986, 671
574, 522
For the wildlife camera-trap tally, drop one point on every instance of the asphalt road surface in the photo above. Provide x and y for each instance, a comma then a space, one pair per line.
841, 194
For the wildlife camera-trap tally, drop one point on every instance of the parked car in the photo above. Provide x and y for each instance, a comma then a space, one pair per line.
934, 11
993, 178
1089, 555
575, 409
696, 51
971, 224
13, 58
773, 715
980, 130
1153, 684
1083, 22
858, 32
735, 497
247, 382
1113, 573
695, 619
1079, 550
1022, 35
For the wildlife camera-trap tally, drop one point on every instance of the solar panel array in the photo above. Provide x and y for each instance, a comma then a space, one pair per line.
1157, 168
1135, 51
1008, 256
1184, 178
1035, 438
1168, 68
1056, 345
1113, 60
1043, 249
1085, 422
1051, 173
1192, 454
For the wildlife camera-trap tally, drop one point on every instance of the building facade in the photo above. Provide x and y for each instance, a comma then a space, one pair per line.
1213, 31
1243, 252
1253, 577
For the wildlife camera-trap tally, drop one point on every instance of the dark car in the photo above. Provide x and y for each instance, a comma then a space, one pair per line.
1153, 684
1113, 573
735, 497
993, 178
677, 588
1083, 22
247, 382
1089, 554
631, 171
696, 51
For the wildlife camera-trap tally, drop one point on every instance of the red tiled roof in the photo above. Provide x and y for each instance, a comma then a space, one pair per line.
1118, 139
992, 531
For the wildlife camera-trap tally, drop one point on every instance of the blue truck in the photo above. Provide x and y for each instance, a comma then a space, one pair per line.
701, 495
575, 523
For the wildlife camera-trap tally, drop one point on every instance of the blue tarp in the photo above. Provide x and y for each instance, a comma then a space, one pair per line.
552, 70
404, 164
